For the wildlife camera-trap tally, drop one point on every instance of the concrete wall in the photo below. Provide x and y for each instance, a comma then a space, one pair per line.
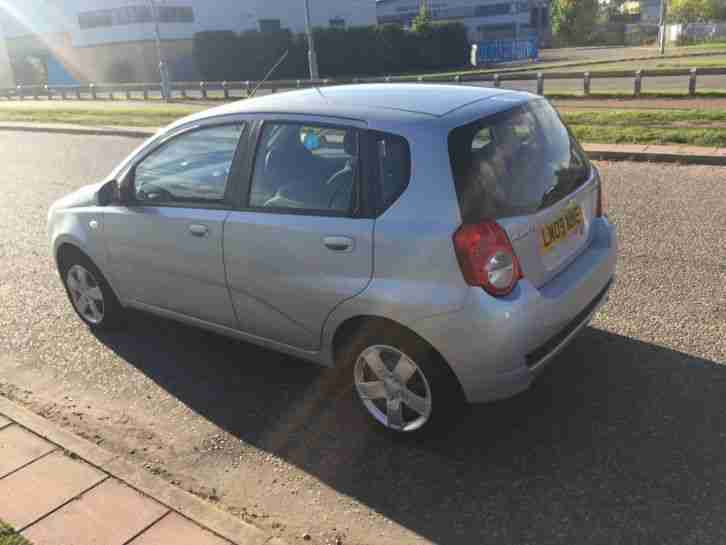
7, 78
99, 63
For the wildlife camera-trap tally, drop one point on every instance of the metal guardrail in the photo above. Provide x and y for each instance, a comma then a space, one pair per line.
241, 89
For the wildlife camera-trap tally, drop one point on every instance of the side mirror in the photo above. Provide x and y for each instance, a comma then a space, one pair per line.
108, 194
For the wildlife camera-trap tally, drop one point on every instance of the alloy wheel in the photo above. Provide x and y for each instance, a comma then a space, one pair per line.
86, 294
393, 388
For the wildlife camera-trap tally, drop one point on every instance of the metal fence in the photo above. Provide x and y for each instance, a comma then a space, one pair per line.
230, 90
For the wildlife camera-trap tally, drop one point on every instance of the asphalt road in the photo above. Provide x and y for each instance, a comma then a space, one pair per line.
620, 441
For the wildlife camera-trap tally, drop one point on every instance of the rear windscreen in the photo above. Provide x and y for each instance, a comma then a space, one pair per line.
515, 162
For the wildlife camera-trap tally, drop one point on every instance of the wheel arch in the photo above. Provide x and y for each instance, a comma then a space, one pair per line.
68, 247
354, 324
65, 249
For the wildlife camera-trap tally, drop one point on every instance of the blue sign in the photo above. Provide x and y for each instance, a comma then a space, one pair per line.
496, 51
57, 73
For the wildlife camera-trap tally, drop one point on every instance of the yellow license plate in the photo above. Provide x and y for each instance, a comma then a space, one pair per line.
555, 232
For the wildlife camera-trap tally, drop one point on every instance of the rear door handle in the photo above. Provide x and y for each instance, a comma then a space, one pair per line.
339, 244
198, 230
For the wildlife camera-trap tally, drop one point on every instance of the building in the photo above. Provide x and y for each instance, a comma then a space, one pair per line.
642, 11
650, 11
112, 40
7, 78
484, 19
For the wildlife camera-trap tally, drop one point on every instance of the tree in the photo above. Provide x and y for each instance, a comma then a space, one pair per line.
574, 21
612, 10
693, 11
423, 22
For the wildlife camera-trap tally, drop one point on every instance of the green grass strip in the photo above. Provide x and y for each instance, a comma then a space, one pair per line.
130, 117
701, 127
623, 95
8, 536
643, 135
644, 117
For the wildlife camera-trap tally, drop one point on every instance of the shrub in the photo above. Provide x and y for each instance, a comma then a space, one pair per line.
121, 72
452, 43
392, 40
609, 34
352, 51
216, 54
259, 51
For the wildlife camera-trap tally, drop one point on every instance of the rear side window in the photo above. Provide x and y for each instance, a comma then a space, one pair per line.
515, 163
392, 166
306, 168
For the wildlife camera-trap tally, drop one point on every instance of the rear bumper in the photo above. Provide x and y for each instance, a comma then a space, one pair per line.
538, 358
497, 346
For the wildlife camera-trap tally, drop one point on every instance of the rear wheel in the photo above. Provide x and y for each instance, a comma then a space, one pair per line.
402, 383
89, 292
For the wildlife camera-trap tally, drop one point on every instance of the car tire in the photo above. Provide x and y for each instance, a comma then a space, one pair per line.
415, 393
88, 291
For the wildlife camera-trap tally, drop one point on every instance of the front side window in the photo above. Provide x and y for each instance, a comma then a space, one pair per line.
191, 168
515, 163
305, 167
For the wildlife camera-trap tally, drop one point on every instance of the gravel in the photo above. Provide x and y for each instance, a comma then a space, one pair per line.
621, 440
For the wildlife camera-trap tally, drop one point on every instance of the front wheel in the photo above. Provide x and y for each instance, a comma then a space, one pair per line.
402, 382
89, 292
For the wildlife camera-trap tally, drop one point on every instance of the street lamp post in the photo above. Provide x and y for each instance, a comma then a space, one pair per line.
312, 57
541, 10
662, 33
163, 71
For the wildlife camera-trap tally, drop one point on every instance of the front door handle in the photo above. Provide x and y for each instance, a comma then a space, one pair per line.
198, 230
339, 244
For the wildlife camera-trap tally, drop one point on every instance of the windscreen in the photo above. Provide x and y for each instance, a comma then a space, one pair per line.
515, 163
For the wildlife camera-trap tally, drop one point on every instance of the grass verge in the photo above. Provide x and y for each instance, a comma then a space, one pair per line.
643, 118
675, 57
697, 127
99, 115
598, 134
687, 127
708, 46
8, 536
629, 95
716, 61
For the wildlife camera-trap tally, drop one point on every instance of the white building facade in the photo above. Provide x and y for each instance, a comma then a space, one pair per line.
86, 35
484, 19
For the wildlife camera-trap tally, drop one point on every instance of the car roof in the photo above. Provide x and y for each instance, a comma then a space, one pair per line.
368, 102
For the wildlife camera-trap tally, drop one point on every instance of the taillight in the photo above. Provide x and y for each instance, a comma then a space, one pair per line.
600, 207
486, 257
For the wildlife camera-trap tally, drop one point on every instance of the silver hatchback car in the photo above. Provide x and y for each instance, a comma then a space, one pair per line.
436, 243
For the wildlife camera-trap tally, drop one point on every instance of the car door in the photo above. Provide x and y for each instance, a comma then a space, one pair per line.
302, 242
165, 242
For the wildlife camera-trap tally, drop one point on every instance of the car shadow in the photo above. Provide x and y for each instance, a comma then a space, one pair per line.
618, 441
